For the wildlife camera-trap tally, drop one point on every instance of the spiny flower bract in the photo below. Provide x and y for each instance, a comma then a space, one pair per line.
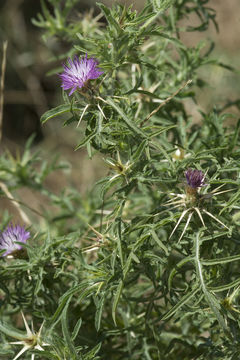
10, 237
195, 178
78, 72
32, 340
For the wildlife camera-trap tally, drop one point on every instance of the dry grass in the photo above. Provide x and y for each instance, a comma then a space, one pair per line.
2, 82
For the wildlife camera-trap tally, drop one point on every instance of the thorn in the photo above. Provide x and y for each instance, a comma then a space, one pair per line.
29, 332
95, 231
221, 192
179, 220
211, 215
84, 110
101, 111
25, 348
200, 215
185, 227
217, 188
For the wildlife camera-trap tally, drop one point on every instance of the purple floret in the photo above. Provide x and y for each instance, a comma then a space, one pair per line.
195, 178
78, 72
10, 236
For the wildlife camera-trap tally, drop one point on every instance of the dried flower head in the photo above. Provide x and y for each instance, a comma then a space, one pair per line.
10, 237
195, 178
120, 168
77, 73
31, 340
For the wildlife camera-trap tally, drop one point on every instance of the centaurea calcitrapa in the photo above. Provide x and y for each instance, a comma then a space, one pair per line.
78, 72
228, 301
32, 340
76, 76
11, 237
120, 168
193, 200
99, 240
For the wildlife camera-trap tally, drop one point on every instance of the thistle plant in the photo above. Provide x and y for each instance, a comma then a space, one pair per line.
78, 72
144, 265
31, 340
193, 201
11, 237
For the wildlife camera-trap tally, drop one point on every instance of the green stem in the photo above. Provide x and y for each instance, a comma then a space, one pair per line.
198, 263
210, 298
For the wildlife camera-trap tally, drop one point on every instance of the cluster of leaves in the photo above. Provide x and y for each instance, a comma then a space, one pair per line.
136, 291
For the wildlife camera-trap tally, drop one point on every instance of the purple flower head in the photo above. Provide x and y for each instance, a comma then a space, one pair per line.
78, 72
195, 178
10, 236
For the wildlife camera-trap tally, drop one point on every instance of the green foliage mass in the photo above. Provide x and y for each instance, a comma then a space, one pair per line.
138, 289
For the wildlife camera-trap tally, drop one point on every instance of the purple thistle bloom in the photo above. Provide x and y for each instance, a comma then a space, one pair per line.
10, 236
78, 72
195, 178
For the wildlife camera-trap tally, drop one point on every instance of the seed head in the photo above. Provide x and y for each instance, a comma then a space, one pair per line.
10, 237
77, 73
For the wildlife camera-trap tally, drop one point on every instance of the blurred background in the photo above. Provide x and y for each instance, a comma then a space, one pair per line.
29, 91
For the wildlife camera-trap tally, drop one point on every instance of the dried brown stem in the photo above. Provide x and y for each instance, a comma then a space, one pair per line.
4, 57
23, 215
23, 204
165, 102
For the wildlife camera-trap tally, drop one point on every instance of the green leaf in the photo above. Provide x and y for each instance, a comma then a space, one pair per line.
128, 122
59, 110
161, 130
139, 150
119, 241
66, 334
182, 302
215, 307
47, 355
91, 354
8, 330
141, 19
159, 242
224, 287
86, 140
110, 19
232, 201
162, 5
220, 260
84, 287
76, 329
178, 266
116, 300
99, 309
132, 256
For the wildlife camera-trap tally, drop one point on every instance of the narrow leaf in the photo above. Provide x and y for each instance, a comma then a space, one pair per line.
159, 242
116, 300
66, 333
182, 302
128, 122
98, 315
59, 110
220, 260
